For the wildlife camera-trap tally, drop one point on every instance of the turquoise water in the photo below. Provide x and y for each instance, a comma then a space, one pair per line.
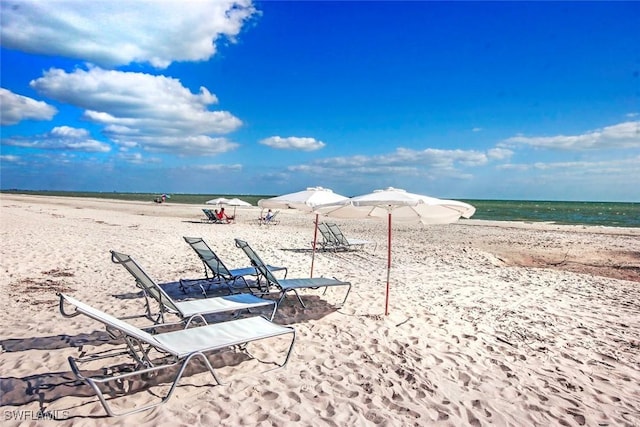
611, 214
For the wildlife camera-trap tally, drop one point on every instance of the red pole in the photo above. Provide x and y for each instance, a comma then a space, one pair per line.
315, 238
386, 304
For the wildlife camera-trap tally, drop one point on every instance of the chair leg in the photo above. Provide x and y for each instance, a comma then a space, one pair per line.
299, 299
194, 318
95, 382
347, 294
273, 313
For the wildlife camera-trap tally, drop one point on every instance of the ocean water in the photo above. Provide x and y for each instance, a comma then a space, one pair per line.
612, 214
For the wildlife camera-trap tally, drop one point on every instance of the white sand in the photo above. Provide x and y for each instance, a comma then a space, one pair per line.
479, 333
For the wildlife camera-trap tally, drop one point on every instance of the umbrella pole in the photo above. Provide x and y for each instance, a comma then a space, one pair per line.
386, 303
315, 238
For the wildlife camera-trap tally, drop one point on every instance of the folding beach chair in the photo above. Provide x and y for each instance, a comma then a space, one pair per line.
345, 242
186, 310
209, 217
290, 285
176, 348
220, 273
272, 220
212, 218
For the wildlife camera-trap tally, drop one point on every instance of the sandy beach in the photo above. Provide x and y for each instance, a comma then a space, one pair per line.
491, 323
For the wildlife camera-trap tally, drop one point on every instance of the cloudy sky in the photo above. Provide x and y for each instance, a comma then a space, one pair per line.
500, 100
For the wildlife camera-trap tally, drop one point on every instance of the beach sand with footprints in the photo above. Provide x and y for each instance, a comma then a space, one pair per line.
491, 323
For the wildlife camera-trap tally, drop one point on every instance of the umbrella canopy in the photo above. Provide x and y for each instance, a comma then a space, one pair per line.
306, 201
406, 207
403, 206
236, 202
217, 201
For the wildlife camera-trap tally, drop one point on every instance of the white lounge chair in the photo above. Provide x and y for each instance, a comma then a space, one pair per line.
177, 349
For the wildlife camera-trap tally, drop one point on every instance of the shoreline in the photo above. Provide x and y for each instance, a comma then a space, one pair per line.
480, 206
472, 336
631, 231
595, 258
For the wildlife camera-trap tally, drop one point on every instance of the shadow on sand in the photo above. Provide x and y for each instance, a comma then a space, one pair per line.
46, 388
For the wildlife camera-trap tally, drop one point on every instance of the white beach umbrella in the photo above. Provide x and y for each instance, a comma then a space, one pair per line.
238, 202
305, 200
235, 202
404, 206
217, 201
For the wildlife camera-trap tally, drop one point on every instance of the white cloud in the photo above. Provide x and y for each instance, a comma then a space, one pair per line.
320, 169
14, 108
437, 158
69, 132
9, 158
219, 167
604, 167
499, 153
406, 162
513, 166
155, 113
137, 158
622, 135
118, 33
60, 138
188, 145
476, 129
293, 143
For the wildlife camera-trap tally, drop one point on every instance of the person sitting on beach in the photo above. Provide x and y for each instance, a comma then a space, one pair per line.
268, 216
222, 215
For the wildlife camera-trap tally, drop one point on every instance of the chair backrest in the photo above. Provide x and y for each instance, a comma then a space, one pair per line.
114, 322
327, 235
208, 257
273, 217
207, 212
338, 234
144, 281
257, 262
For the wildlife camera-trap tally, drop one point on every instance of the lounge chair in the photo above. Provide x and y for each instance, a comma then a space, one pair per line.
178, 348
348, 243
209, 217
212, 218
329, 241
220, 273
290, 285
186, 310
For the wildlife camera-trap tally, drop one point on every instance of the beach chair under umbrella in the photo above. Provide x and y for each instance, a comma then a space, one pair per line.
235, 202
305, 201
404, 206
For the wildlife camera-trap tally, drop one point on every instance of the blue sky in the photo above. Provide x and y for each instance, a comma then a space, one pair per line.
477, 100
